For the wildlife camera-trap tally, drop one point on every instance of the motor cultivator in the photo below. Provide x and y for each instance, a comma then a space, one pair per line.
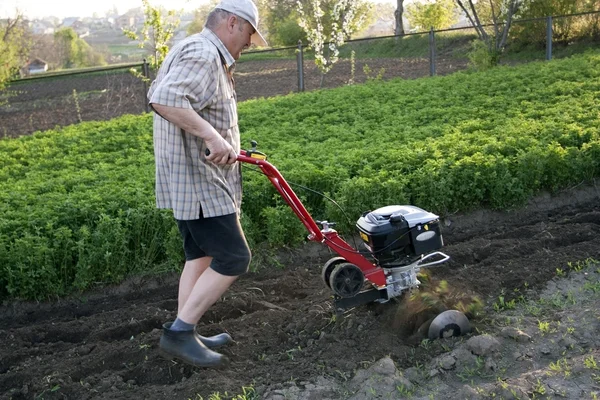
399, 241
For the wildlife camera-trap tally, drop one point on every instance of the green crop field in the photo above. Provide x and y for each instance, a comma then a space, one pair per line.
77, 204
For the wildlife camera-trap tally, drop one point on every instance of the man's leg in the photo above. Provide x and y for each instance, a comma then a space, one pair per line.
192, 270
208, 289
221, 237
201, 286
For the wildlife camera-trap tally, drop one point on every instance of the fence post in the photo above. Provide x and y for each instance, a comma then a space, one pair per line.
300, 59
432, 52
146, 74
549, 38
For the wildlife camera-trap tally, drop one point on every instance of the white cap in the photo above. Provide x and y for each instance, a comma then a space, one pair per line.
245, 9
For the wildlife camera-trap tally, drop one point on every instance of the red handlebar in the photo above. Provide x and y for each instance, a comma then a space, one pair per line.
286, 192
372, 272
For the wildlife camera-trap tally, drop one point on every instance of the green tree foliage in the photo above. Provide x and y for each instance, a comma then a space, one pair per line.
564, 29
74, 52
280, 21
436, 14
501, 14
14, 46
200, 15
287, 32
328, 24
156, 33
354, 14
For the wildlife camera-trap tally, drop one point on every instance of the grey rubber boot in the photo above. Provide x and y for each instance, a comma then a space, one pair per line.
212, 342
186, 346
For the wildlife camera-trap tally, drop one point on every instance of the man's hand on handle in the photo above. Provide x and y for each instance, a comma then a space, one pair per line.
219, 151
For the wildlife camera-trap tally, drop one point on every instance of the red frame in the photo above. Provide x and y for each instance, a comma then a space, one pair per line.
372, 272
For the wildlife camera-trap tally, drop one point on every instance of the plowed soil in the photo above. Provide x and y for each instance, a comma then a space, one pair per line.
103, 345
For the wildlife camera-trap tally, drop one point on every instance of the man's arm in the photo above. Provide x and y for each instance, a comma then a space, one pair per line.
187, 119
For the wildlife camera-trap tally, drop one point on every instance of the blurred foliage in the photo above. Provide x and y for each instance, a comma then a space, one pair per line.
426, 14
200, 15
14, 46
564, 29
74, 52
157, 31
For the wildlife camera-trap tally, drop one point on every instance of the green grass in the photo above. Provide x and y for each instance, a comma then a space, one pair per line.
448, 44
127, 49
261, 55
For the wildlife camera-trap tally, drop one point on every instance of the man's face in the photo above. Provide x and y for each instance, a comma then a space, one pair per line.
241, 38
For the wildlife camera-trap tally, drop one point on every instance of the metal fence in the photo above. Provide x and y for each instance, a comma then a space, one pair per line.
59, 99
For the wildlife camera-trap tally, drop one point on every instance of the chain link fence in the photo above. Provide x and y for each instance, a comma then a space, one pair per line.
44, 102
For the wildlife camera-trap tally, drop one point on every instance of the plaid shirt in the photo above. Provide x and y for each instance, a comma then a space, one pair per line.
196, 74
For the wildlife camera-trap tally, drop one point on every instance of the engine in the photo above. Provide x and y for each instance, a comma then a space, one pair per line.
399, 235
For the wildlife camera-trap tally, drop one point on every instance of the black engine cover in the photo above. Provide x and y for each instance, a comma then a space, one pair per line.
398, 235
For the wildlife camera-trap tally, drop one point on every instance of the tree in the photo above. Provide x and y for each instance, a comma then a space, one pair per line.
280, 20
343, 19
66, 47
287, 31
501, 13
342, 16
564, 29
14, 47
438, 14
200, 15
398, 14
42, 46
74, 52
337, 25
156, 33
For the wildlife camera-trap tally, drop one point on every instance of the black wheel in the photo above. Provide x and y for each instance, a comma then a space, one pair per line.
328, 267
346, 280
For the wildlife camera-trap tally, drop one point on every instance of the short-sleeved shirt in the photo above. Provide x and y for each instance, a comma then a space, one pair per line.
196, 74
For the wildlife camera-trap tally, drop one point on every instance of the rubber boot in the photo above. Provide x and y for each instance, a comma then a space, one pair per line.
212, 342
186, 346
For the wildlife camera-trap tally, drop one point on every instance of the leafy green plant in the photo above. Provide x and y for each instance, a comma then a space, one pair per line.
502, 305
544, 327
590, 362
481, 57
560, 367
539, 388
77, 207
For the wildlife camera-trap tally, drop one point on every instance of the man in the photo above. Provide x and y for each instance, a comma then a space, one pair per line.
196, 142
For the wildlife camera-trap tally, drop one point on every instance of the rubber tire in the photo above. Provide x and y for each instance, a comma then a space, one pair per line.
328, 268
345, 269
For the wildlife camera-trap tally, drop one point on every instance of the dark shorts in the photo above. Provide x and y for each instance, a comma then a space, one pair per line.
219, 237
